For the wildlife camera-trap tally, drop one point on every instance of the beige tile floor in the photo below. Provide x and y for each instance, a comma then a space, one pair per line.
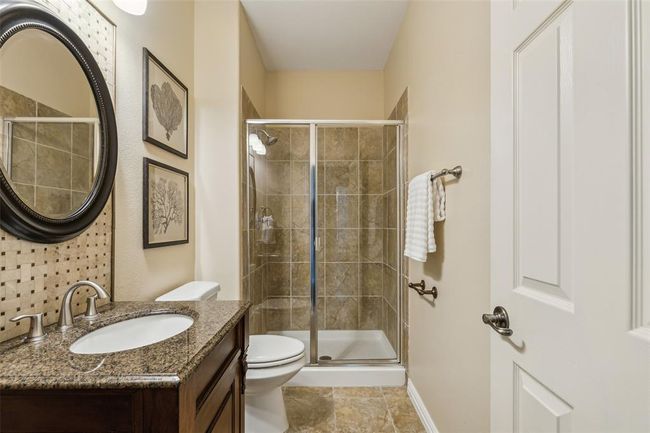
350, 410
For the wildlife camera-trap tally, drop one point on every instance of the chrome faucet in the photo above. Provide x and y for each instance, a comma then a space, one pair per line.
65, 315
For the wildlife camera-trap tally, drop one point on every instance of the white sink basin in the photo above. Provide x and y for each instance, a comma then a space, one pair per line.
132, 333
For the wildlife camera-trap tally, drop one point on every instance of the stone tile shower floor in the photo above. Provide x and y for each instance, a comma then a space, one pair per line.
350, 410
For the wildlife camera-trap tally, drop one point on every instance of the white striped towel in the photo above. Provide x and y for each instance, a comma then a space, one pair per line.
426, 204
440, 201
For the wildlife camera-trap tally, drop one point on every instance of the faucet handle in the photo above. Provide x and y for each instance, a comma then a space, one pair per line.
36, 332
91, 307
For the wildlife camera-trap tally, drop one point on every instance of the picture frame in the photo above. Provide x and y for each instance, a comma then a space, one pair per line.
165, 205
165, 107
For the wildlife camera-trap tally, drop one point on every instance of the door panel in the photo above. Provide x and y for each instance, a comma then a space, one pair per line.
562, 220
542, 109
537, 408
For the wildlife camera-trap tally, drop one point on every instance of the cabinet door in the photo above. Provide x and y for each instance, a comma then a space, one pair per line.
222, 411
211, 400
230, 417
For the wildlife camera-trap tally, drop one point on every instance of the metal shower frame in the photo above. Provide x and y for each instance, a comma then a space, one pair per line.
313, 124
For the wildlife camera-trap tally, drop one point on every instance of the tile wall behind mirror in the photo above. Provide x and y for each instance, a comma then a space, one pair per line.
51, 167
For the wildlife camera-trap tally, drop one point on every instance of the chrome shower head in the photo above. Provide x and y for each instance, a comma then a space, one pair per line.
269, 140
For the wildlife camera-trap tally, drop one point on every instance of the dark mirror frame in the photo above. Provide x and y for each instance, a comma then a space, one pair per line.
18, 218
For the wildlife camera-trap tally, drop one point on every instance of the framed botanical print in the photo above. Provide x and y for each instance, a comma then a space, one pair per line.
165, 107
166, 205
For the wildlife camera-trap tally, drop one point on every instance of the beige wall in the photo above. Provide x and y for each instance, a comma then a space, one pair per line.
167, 30
252, 73
324, 95
27, 61
203, 45
216, 74
442, 55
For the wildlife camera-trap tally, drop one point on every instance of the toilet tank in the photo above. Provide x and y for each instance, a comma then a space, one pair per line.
192, 291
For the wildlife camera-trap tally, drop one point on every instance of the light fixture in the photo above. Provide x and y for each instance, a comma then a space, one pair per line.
133, 7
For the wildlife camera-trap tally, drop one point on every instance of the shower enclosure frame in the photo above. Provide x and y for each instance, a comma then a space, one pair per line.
315, 242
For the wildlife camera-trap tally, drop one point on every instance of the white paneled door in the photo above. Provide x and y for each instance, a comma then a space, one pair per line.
567, 218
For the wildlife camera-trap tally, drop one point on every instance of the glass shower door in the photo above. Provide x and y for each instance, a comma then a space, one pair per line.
278, 271
356, 242
323, 250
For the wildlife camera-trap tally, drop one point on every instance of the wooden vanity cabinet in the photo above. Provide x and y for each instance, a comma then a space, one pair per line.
211, 400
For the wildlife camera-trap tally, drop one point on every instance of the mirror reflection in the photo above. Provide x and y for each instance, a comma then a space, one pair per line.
49, 125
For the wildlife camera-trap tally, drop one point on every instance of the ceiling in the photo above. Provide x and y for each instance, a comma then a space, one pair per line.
325, 34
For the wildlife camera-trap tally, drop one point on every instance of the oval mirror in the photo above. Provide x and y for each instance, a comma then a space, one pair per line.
58, 147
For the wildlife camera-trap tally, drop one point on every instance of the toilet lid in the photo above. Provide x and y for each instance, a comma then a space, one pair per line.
263, 365
264, 349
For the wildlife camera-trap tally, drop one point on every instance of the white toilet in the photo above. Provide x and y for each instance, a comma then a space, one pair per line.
192, 291
272, 361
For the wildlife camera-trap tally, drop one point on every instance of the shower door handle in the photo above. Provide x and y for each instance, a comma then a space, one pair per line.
317, 244
498, 321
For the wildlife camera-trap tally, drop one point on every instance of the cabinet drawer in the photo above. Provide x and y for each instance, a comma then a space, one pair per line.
70, 411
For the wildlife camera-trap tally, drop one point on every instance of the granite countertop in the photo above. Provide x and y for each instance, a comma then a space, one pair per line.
49, 364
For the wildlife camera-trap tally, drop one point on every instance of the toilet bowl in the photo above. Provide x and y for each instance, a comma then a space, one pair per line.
272, 361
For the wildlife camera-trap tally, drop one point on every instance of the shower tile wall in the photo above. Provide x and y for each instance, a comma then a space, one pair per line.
287, 201
351, 227
51, 164
252, 265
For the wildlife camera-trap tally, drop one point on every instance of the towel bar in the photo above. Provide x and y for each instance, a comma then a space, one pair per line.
456, 172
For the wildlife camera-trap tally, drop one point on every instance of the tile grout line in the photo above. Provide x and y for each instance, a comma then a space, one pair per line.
392, 421
336, 426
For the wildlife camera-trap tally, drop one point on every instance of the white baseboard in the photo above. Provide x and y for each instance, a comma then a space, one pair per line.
422, 411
